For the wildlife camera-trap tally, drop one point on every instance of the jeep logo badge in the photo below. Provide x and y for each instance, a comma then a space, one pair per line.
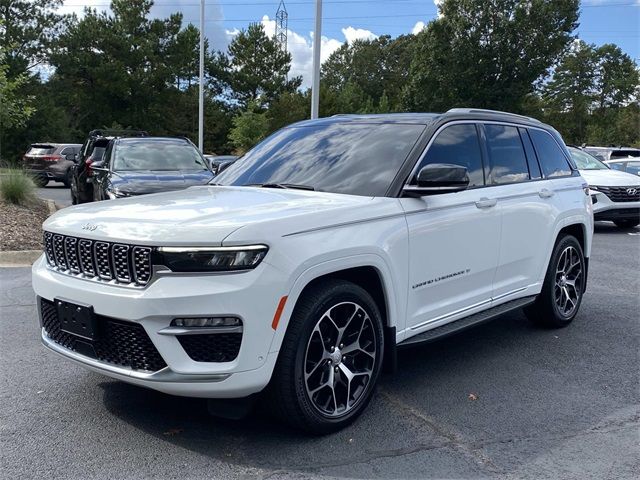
89, 226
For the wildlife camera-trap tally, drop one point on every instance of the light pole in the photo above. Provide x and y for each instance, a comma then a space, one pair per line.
201, 90
317, 42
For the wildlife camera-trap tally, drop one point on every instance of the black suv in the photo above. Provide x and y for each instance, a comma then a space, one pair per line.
91, 152
137, 166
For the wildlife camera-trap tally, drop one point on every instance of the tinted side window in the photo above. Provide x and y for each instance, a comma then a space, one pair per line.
66, 151
551, 157
534, 167
458, 145
506, 154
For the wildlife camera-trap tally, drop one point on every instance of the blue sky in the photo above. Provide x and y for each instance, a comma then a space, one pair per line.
601, 21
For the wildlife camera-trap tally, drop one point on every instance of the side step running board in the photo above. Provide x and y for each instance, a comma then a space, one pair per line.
466, 322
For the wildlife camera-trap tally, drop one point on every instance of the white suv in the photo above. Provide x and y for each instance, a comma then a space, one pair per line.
615, 195
316, 255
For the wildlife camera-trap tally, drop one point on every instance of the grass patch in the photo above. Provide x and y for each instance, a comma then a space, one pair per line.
16, 187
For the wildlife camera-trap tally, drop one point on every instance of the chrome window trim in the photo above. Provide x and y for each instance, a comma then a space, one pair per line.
414, 171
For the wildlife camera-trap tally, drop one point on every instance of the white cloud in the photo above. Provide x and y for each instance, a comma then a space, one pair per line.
418, 27
438, 4
301, 47
190, 9
353, 34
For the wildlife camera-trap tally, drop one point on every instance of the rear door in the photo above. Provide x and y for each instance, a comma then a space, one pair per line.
526, 209
453, 237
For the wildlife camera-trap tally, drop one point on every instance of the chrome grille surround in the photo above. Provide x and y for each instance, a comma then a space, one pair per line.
112, 263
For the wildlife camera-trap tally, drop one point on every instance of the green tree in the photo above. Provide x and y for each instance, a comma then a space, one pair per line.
15, 109
487, 53
249, 127
375, 67
28, 29
616, 79
570, 94
255, 68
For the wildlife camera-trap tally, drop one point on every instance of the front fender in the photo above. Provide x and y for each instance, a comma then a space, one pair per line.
394, 315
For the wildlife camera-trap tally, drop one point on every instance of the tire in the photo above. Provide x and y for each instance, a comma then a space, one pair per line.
308, 389
627, 223
67, 179
563, 288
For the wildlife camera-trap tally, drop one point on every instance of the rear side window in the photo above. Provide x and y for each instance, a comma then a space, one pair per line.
625, 153
458, 145
534, 167
506, 155
550, 155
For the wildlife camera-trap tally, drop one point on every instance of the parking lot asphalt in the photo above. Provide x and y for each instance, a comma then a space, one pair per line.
57, 192
503, 400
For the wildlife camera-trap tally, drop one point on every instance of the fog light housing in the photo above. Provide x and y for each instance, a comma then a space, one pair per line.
206, 322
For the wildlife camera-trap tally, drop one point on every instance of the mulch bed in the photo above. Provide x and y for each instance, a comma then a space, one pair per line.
21, 226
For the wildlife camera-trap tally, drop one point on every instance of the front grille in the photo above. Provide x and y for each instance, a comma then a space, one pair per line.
112, 262
120, 343
215, 347
621, 194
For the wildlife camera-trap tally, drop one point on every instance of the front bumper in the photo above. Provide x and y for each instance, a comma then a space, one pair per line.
252, 296
604, 209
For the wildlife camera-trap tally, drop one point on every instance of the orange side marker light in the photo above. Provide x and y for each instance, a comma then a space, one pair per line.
276, 317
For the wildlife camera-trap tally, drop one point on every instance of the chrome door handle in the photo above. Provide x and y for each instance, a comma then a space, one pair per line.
546, 193
485, 202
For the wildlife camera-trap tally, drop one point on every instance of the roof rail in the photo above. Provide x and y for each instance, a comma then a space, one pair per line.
483, 110
112, 132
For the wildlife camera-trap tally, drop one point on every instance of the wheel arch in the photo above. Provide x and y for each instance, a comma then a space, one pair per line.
370, 272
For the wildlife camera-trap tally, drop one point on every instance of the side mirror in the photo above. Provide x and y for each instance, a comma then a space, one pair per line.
438, 178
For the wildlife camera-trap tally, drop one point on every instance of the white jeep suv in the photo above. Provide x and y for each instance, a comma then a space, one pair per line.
319, 253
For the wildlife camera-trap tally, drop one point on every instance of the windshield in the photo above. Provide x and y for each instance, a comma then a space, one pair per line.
584, 161
157, 155
352, 158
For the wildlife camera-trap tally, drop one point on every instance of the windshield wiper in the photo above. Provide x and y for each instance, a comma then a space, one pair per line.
281, 185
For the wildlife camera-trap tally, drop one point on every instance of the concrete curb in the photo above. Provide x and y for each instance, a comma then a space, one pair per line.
25, 258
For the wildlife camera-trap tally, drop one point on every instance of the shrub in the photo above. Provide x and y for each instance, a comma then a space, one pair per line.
16, 187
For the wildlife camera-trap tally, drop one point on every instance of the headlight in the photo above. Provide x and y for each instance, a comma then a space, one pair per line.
593, 190
116, 193
211, 259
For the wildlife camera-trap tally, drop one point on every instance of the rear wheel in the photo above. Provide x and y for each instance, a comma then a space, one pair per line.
561, 295
67, 179
330, 358
627, 223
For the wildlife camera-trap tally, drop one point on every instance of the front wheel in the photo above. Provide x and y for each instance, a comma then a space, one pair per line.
561, 295
627, 223
330, 358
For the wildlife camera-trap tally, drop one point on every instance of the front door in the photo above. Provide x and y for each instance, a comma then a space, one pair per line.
453, 237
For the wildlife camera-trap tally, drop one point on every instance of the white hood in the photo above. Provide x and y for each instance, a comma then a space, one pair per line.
610, 178
207, 215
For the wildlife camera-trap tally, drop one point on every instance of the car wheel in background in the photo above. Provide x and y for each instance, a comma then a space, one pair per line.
67, 179
330, 358
561, 295
629, 223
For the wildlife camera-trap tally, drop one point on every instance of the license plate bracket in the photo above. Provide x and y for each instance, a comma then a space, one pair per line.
79, 320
